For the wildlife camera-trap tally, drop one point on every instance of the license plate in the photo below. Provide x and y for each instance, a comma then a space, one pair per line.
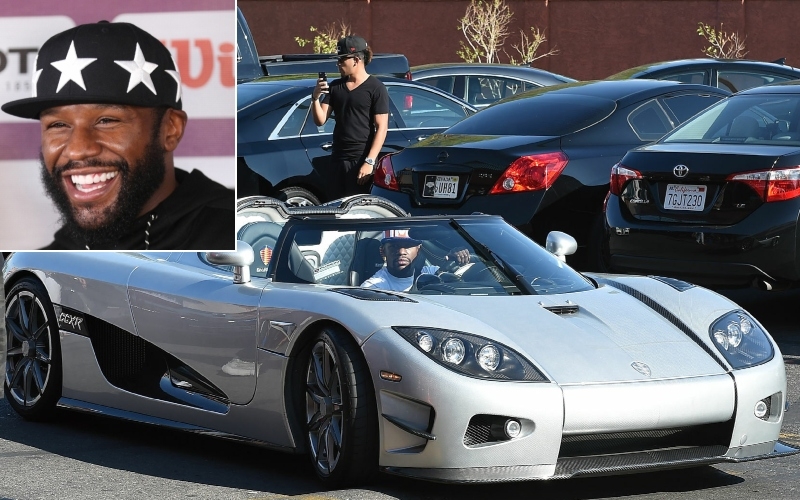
690, 197
440, 186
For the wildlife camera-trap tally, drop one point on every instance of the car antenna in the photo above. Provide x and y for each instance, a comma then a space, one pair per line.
781, 61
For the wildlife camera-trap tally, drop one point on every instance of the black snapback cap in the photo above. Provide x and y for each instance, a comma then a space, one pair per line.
106, 63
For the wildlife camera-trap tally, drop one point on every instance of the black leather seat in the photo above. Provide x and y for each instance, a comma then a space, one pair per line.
367, 257
339, 253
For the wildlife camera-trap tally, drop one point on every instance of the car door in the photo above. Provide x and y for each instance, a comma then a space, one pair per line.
424, 112
197, 314
269, 149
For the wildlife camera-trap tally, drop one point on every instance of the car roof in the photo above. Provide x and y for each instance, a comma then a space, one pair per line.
617, 90
248, 93
651, 68
512, 70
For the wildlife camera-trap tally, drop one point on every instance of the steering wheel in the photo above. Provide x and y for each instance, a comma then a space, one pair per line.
452, 265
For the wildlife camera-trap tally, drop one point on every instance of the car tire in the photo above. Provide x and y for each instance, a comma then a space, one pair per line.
340, 411
298, 197
32, 379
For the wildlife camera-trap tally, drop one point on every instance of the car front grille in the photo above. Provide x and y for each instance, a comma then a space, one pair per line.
622, 442
618, 451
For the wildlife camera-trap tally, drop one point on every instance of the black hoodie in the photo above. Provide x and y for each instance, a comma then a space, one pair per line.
198, 215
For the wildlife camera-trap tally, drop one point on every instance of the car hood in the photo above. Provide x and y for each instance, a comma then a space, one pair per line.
599, 343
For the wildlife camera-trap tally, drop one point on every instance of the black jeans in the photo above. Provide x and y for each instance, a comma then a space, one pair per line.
343, 179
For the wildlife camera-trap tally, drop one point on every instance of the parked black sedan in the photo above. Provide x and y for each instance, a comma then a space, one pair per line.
734, 75
716, 201
483, 84
281, 151
540, 159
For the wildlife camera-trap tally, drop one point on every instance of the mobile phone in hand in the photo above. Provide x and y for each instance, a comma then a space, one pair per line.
323, 76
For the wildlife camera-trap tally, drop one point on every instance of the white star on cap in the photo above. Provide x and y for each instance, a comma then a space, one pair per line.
174, 74
70, 68
140, 71
36, 74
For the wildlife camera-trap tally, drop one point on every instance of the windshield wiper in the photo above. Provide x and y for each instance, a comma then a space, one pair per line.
488, 254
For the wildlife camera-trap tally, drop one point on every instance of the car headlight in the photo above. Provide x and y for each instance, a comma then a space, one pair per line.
471, 355
740, 340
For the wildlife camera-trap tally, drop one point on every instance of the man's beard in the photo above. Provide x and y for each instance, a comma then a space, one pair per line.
137, 185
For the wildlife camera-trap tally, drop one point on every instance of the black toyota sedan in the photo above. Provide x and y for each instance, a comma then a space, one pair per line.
281, 151
734, 75
717, 200
483, 84
540, 159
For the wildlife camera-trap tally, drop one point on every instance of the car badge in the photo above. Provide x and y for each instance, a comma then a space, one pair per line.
641, 368
266, 255
680, 171
442, 156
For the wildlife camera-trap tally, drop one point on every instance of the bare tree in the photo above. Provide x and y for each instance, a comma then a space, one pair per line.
326, 38
528, 47
721, 45
485, 27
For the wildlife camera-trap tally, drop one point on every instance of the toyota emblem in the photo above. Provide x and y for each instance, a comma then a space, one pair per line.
680, 171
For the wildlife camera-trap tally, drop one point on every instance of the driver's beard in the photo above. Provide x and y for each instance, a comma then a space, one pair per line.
137, 185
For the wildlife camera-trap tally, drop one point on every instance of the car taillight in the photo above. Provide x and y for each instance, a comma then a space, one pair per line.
772, 185
384, 174
620, 174
531, 173
408, 75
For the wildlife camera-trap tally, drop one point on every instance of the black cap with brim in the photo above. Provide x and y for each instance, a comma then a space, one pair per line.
102, 63
352, 45
401, 241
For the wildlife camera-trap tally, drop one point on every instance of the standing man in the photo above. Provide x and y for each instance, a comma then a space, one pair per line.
360, 105
108, 97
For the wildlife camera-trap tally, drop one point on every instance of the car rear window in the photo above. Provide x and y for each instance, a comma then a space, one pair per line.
545, 114
761, 119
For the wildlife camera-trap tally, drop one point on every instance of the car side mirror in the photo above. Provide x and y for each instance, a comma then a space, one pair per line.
240, 259
560, 244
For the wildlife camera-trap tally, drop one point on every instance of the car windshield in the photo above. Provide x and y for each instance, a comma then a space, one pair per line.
744, 119
466, 256
537, 113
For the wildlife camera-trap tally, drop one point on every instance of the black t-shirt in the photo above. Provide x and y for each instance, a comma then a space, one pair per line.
355, 111
198, 215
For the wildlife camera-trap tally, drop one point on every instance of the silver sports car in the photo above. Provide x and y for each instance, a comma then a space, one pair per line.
441, 348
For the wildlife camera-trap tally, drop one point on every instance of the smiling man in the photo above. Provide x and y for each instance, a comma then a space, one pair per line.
108, 97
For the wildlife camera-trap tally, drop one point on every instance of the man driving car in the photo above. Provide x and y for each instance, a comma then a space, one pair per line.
400, 253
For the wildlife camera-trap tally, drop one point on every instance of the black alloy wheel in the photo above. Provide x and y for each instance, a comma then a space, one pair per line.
33, 360
341, 415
